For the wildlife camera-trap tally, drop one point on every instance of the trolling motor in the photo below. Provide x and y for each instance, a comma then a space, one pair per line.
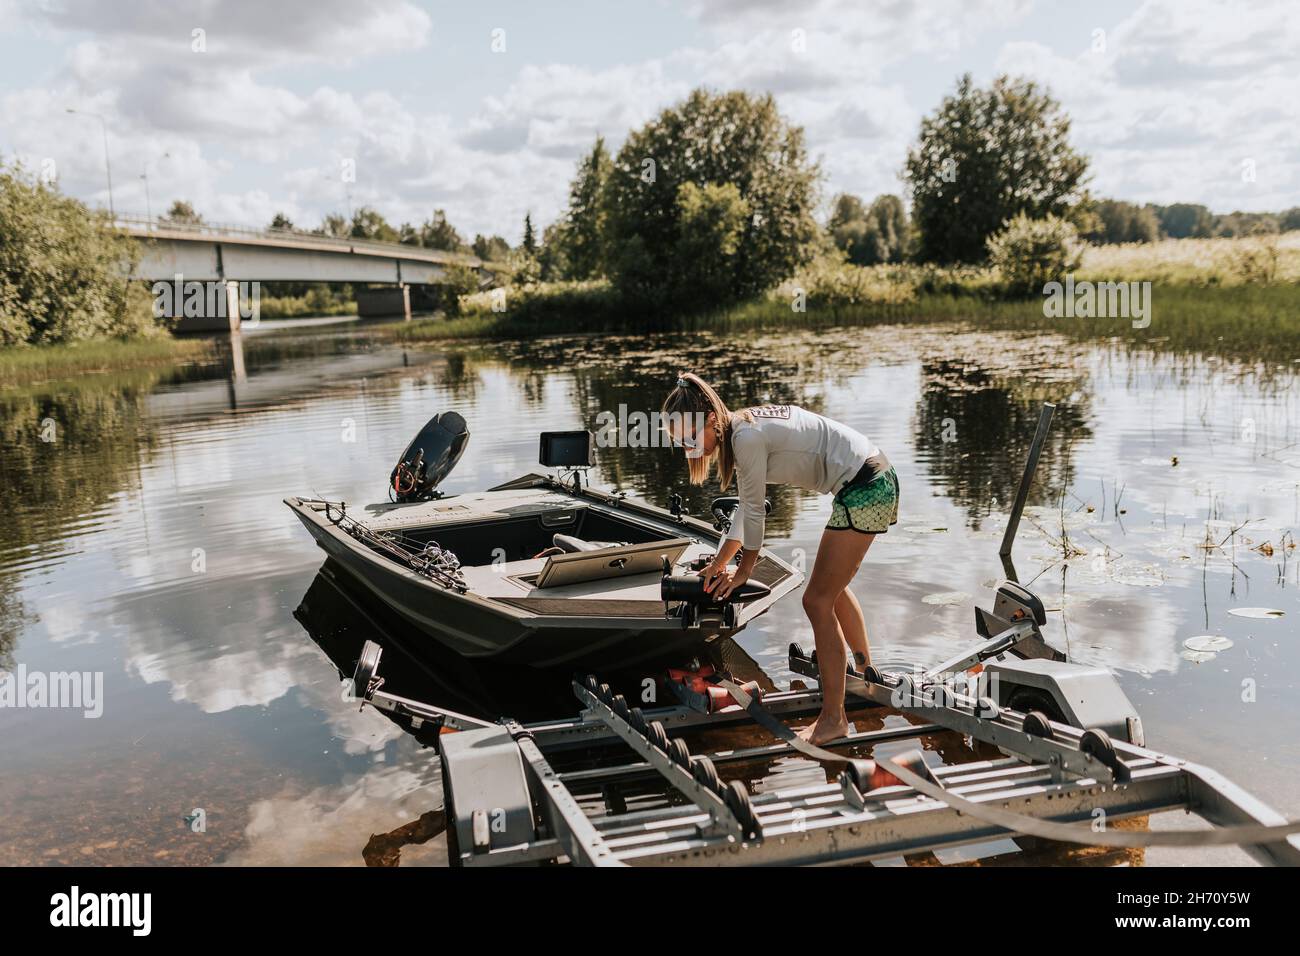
429, 458
698, 606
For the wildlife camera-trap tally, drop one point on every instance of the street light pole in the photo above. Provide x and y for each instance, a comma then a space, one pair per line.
108, 166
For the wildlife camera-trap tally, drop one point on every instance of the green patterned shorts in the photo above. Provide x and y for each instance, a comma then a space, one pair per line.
870, 507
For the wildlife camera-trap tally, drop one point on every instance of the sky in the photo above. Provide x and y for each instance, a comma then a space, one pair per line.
246, 108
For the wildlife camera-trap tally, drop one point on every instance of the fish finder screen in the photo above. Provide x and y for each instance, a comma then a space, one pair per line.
566, 449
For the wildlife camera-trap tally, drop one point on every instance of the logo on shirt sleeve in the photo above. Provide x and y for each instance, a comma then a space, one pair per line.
770, 411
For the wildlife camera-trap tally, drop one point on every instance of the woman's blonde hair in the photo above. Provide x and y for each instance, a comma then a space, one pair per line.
692, 400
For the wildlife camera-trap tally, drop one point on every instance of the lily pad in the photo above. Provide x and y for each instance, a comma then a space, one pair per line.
1138, 575
946, 598
1207, 643
1256, 612
1199, 657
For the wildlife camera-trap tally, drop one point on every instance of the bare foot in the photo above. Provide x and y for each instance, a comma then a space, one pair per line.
825, 729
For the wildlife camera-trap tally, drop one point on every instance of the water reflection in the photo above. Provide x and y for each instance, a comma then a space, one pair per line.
965, 406
148, 542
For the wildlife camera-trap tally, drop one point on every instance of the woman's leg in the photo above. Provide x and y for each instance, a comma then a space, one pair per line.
838, 558
849, 613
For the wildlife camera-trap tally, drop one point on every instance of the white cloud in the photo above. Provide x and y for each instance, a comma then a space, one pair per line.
243, 30
1183, 93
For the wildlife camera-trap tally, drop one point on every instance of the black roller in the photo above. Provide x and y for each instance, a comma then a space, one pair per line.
636, 718
679, 752
1036, 724
736, 796
860, 771
1096, 743
705, 774
367, 667
656, 734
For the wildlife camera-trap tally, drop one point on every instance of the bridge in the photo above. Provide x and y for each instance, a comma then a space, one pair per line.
230, 254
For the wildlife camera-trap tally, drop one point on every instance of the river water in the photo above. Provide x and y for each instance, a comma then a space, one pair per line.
146, 541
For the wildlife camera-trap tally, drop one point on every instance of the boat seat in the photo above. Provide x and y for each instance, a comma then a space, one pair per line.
569, 544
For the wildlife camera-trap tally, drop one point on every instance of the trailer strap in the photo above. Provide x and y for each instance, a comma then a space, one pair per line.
777, 728
1075, 833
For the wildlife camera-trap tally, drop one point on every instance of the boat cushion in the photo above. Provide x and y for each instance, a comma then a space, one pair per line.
570, 545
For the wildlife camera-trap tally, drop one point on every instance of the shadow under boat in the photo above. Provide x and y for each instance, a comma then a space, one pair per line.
340, 618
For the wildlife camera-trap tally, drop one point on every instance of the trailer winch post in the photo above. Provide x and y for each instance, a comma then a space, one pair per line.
1027, 479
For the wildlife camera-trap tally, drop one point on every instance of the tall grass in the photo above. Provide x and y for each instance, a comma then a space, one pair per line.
31, 364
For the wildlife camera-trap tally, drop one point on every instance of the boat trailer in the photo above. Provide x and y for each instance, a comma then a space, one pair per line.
1073, 761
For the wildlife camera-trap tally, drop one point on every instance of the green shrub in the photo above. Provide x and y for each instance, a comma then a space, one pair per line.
1028, 253
461, 281
63, 268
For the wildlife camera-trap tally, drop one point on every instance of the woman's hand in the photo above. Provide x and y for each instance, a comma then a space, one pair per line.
710, 573
720, 582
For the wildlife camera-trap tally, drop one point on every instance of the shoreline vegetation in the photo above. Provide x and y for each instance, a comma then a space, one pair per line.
1203, 299
707, 218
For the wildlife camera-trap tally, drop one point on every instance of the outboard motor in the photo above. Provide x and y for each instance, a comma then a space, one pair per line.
429, 458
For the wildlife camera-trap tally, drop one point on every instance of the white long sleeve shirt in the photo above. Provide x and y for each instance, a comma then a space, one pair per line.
789, 445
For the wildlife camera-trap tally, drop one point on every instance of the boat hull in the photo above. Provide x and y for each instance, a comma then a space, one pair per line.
475, 627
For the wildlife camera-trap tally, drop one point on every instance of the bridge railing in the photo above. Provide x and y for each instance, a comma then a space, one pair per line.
148, 226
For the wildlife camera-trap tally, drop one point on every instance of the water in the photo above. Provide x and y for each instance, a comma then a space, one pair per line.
148, 542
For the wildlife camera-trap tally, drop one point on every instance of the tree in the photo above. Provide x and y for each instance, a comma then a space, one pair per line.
583, 233
459, 280
367, 223
1290, 219
333, 225
709, 140
552, 259
1247, 224
985, 156
490, 249
438, 233
1119, 221
529, 245
848, 226
870, 236
1028, 253
711, 222
183, 214
282, 222
1186, 220
63, 268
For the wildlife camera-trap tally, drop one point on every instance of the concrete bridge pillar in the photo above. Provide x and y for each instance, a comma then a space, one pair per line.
374, 303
